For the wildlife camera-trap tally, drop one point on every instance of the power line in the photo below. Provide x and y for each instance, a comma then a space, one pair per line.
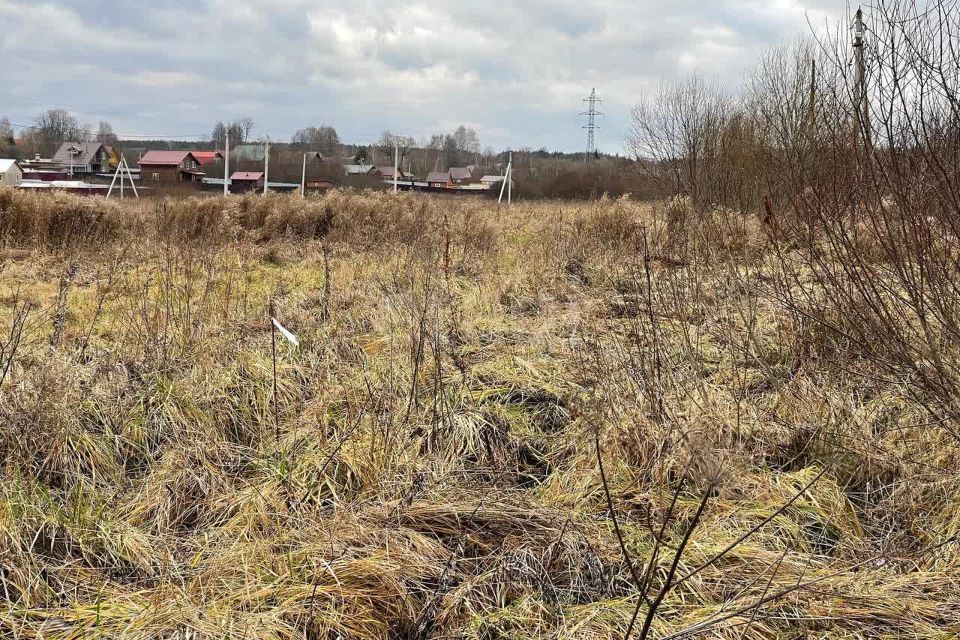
591, 125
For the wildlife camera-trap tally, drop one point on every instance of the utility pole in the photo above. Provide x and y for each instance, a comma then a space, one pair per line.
507, 181
133, 185
510, 180
117, 174
396, 164
591, 125
862, 120
303, 178
129, 175
121, 167
226, 166
266, 168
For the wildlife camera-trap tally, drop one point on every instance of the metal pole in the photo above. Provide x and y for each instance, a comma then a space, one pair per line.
396, 162
226, 166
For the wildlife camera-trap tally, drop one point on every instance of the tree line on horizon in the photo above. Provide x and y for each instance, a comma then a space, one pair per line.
537, 173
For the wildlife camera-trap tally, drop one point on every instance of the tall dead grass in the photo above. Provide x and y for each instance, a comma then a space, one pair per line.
62, 221
425, 464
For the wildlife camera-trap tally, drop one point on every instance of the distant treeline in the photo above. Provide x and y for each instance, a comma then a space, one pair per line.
537, 173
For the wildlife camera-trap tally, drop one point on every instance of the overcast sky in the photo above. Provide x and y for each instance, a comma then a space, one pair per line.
516, 72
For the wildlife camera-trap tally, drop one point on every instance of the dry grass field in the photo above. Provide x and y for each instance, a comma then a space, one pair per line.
558, 420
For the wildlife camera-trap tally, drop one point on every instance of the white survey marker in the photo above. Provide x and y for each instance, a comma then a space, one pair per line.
286, 333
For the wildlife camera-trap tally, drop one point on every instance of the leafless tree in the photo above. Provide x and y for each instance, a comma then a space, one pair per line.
245, 126
388, 141
680, 128
323, 139
890, 207
238, 130
54, 127
6, 136
458, 148
466, 140
105, 134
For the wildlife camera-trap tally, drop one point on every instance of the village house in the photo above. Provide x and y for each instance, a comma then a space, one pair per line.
44, 169
386, 173
312, 156
245, 181
83, 158
357, 169
439, 179
206, 157
461, 175
11, 173
170, 167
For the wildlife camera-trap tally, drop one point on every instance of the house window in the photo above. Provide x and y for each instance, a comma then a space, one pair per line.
156, 177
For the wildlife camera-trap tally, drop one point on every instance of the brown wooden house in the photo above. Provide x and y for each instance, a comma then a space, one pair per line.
246, 181
170, 167
461, 175
439, 179
386, 173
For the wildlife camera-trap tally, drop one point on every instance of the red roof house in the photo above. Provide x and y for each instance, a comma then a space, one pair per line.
206, 157
243, 181
170, 167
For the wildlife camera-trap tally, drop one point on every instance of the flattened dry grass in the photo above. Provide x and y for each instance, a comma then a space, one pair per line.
424, 464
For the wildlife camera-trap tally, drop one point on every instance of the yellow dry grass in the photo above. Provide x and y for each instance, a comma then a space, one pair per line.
427, 466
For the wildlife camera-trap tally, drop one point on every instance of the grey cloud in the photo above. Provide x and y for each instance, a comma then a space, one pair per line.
517, 71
